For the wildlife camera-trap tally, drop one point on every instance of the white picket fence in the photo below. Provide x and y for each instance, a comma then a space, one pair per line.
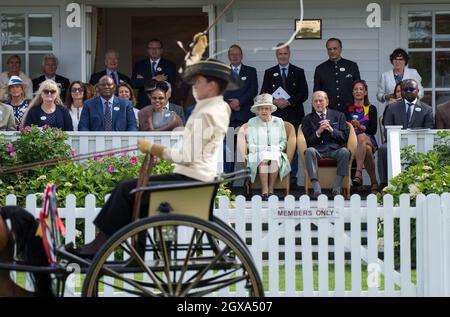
90, 142
325, 245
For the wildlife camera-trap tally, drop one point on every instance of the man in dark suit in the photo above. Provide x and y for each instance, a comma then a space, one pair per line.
49, 66
292, 80
153, 67
443, 116
335, 76
240, 102
107, 112
112, 65
410, 113
326, 133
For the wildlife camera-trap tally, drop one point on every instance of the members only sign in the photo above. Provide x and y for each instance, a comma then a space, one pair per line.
305, 213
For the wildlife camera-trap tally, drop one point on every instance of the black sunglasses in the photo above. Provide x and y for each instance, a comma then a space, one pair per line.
47, 92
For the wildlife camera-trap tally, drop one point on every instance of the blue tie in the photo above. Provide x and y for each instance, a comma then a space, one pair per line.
283, 76
153, 69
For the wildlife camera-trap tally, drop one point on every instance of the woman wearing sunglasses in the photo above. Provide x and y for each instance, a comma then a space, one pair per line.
47, 108
74, 101
157, 116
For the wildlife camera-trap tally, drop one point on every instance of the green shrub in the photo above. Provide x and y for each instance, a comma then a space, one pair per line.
424, 173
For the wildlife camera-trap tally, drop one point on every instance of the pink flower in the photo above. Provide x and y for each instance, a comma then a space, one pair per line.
9, 147
98, 158
123, 154
13, 154
133, 160
20, 130
28, 129
110, 168
74, 152
45, 126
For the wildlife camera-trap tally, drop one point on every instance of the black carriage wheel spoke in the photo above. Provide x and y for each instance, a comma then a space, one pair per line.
141, 262
225, 283
153, 243
123, 289
185, 263
205, 269
129, 281
166, 260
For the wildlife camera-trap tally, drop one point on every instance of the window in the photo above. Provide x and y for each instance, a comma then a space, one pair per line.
428, 38
29, 33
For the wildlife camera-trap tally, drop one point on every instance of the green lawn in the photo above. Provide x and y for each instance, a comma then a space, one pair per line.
298, 278
331, 278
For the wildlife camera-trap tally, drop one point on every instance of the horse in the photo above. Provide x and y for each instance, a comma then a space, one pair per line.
22, 237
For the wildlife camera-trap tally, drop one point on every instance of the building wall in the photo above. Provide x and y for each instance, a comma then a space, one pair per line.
261, 24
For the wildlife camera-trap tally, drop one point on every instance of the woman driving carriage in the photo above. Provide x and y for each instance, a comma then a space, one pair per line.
195, 158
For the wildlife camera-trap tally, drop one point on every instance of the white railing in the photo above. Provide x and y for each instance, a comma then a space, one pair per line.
90, 142
421, 139
327, 244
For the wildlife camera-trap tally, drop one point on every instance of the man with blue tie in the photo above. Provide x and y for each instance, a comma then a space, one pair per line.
410, 113
153, 67
112, 65
240, 102
107, 112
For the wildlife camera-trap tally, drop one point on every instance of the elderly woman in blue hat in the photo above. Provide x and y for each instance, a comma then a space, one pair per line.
266, 138
16, 97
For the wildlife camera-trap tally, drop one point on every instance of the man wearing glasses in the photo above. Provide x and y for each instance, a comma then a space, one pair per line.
410, 113
153, 67
107, 112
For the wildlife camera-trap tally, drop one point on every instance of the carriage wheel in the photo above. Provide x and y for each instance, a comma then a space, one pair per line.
171, 256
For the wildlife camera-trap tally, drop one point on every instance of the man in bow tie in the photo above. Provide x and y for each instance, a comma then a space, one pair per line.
410, 113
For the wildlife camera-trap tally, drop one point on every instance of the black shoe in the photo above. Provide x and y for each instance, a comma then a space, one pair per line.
79, 252
265, 197
334, 193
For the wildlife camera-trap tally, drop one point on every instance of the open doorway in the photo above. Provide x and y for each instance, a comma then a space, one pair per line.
129, 30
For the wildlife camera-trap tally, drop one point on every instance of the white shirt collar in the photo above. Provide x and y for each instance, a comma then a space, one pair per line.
319, 114
166, 107
237, 67
157, 61
52, 78
111, 100
413, 102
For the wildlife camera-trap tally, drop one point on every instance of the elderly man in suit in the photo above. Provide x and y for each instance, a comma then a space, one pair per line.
107, 112
292, 80
410, 113
326, 133
336, 76
240, 102
443, 116
153, 67
112, 65
49, 66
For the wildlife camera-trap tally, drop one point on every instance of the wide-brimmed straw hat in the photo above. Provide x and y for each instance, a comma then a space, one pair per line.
15, 80
263, 100
212, 68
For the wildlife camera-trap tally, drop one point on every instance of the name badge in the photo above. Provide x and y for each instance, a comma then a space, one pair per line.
43, 118
342, 69
159, 69
116, 108
244, 78
275, 74
418, 109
